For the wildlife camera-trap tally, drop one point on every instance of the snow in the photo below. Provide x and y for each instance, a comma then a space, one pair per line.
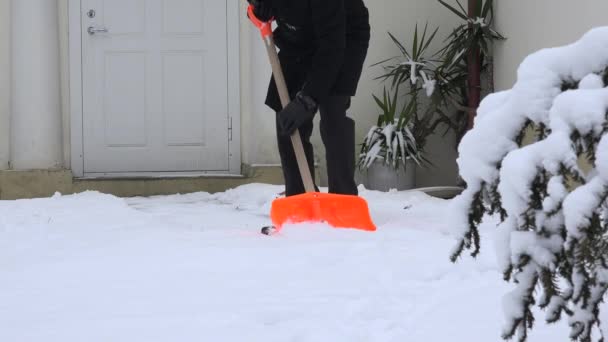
478, 21
557, 192
428, 84
591, 81
580, 204
93, 267
540, 249
583, 110
413, 69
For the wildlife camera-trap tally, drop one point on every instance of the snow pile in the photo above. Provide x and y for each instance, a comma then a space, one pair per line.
552, 236
92, 267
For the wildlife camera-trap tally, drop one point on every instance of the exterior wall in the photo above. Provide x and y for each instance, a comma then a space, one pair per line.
258, 144
534, 25
5, 73
35, 124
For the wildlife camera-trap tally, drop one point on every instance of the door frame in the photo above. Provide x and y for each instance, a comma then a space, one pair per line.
75, 31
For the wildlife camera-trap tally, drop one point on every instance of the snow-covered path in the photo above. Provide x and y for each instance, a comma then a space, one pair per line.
93, 267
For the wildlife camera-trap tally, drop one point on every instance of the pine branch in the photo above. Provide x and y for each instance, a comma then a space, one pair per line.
471, 239
495, 202
527, 279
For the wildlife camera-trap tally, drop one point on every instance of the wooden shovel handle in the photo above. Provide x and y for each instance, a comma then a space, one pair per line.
279, 78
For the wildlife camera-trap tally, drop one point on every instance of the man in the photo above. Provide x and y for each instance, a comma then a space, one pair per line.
323, 45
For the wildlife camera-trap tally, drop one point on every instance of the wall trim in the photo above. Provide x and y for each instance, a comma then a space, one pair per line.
75, 87
234, 84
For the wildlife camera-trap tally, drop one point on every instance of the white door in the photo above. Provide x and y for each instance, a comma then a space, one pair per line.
155, 92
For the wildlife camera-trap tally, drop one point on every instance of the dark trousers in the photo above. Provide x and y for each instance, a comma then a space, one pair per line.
338, 134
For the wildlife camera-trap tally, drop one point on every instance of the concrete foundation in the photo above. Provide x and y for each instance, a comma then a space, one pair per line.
44, 183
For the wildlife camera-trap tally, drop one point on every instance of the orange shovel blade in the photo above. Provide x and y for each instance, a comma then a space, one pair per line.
339, 211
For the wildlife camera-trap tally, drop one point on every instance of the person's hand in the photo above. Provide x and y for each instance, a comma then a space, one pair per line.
299, 111
262, 10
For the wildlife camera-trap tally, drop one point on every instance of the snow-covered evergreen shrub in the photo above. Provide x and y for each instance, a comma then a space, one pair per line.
552, 240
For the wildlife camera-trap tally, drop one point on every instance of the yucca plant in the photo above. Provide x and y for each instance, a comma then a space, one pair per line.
449, 77
431, 86
475, 32
413, 64
391, 140
468, 48
440, 88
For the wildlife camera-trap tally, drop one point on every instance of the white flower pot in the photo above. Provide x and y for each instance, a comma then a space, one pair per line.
382, 177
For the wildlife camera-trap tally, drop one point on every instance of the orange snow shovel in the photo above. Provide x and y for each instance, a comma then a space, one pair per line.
339, 211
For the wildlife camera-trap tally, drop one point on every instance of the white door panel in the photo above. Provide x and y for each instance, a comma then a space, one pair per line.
155, 86
183, 16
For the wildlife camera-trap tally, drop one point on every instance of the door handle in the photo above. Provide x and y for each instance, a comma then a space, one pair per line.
92, 30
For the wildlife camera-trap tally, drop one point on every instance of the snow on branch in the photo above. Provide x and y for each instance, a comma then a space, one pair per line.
478, 21
522, 161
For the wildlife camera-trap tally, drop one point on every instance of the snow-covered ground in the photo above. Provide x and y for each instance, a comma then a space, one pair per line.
93, 267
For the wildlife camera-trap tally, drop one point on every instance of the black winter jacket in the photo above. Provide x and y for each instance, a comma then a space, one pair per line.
323, 45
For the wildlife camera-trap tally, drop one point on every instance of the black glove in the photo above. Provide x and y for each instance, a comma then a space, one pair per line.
299, 111
262, 10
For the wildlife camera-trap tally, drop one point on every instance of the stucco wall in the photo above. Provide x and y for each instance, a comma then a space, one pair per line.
396, 16
35, 120
533, 25
4, 83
